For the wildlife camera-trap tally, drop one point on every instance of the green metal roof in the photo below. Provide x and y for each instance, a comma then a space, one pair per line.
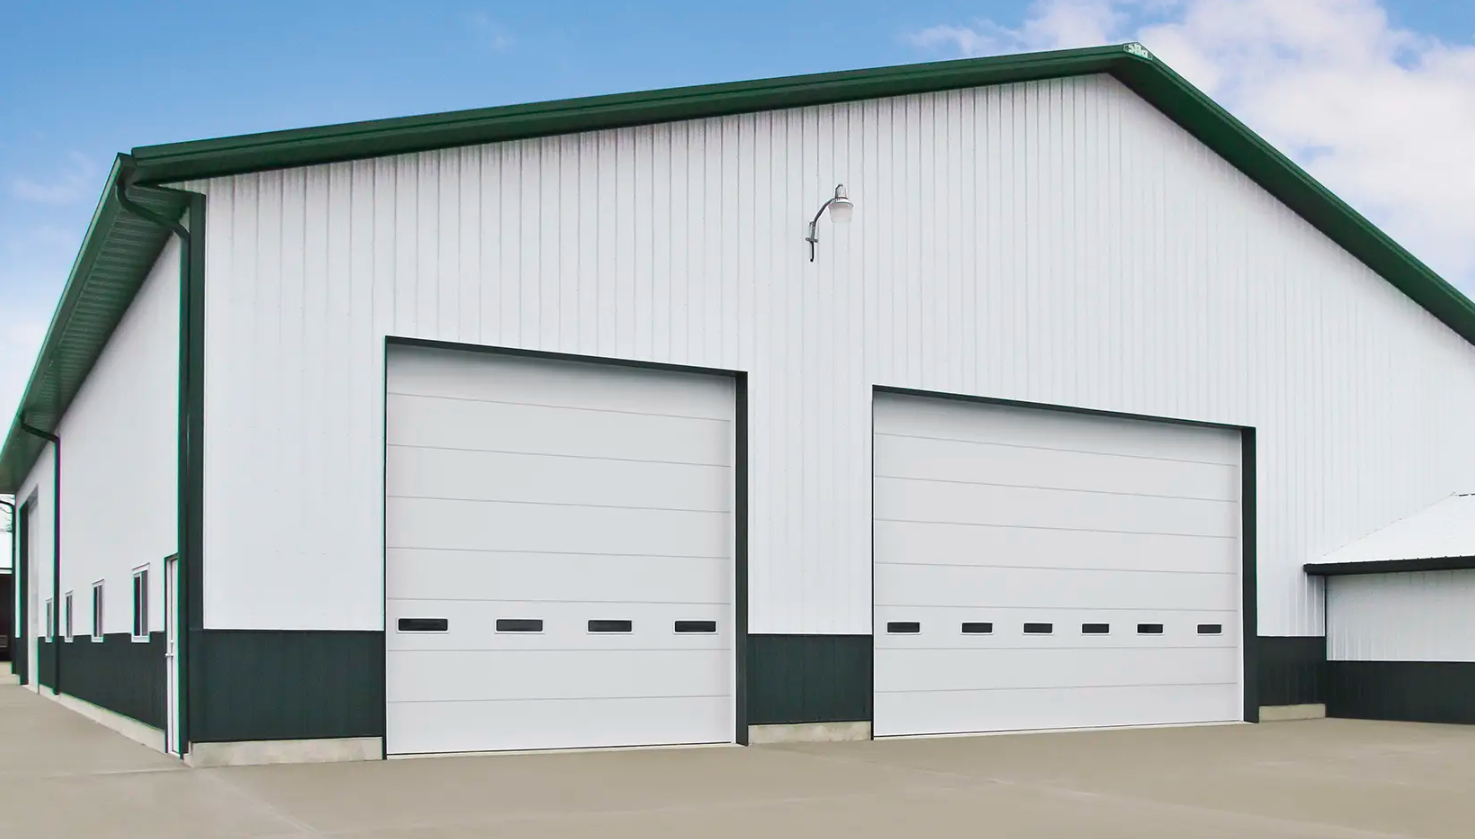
120, 249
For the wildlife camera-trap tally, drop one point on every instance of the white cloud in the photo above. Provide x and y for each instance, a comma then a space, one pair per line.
73, 183
491, 33
1383, 116
1050, 25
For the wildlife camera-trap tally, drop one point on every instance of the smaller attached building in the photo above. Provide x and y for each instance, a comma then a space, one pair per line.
1401, 618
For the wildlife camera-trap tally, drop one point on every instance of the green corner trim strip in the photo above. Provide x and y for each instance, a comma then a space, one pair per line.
112, 264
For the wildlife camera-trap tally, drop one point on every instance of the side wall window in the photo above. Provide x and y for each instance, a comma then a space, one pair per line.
66, 611
97, 611
141, 604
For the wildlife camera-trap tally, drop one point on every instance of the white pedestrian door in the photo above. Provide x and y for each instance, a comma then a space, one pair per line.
1038, 569
559, 542
171, 657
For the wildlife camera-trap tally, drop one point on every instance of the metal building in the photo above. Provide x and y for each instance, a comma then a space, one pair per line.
998, 394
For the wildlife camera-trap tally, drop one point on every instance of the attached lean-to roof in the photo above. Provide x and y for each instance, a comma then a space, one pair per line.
110, 268
1439, 537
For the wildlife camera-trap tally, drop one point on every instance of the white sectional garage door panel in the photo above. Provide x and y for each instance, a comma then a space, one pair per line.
559, 492
996, 517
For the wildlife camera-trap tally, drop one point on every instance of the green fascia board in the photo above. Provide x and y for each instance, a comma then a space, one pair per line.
103, 295
378, 138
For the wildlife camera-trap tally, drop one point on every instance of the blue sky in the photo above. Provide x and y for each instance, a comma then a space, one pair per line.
82, 81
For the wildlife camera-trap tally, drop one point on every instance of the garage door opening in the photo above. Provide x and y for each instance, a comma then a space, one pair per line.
559, 554
1041, 569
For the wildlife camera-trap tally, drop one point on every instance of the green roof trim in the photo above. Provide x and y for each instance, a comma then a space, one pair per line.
120, 249
378, 138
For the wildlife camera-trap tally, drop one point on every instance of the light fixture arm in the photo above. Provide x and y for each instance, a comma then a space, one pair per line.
812, 239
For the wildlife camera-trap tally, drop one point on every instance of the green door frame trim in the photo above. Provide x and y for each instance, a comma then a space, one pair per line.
105, 276
1249, 550
739, 510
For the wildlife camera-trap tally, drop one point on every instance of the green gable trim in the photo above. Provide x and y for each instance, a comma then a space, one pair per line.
1291, 185
378, 138
120, 248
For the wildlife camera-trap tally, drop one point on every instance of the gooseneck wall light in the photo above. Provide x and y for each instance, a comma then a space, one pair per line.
840, 209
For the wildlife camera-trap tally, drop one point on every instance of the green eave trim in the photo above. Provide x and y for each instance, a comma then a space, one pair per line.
301, 147
120, 249
116, 256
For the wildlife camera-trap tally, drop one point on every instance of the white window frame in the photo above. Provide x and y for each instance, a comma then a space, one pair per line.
68, 621
97, 613
140, 609
50, 619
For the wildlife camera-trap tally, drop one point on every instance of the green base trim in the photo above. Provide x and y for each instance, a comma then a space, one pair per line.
809, 679
286, 685
1409, 691
1292, 670
117, 674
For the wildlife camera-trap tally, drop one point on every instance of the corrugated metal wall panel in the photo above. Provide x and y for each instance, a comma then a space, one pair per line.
1416, 616
1058, 242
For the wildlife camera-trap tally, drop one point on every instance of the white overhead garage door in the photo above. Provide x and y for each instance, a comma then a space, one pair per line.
1038, 569
559, 541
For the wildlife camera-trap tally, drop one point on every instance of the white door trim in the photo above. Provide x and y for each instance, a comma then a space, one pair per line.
172, 705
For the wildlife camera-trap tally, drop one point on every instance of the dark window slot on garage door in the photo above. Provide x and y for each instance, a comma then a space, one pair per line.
1210, 629
696, 626
423, 624
903, 627
1095, 628
978, 629
1039, 628
610, 626
519, 625
1149, 629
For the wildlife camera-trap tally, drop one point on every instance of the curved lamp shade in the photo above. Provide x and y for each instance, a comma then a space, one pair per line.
840, 208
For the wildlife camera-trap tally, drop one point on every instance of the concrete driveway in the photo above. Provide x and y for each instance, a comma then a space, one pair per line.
62, 776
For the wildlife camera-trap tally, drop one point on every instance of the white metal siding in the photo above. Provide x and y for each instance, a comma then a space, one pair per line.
1059, 242
1007, 516
120, 458
559, 492
1414, 616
